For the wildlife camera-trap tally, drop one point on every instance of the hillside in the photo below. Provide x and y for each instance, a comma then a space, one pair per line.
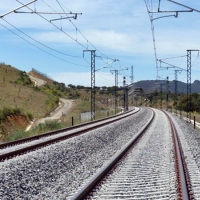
22, 100
152, 85
39, 75
17, 91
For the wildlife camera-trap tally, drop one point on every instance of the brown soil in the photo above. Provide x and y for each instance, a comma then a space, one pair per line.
13, 123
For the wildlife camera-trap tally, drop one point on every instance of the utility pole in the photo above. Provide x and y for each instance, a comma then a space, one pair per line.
116, 87
176, 88
161, 96
189, 65
92, 82
124, 89
167, 93
132, 83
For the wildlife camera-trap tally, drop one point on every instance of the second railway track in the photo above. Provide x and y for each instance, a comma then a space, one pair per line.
66, 170
54, 171
151, 168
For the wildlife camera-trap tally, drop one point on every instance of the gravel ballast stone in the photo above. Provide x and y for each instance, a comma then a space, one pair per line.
55, 171
190, 143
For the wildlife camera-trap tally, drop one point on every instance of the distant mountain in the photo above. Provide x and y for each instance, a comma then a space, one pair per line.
153, 85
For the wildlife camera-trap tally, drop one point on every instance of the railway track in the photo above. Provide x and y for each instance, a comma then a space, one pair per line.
19, 147
150, 166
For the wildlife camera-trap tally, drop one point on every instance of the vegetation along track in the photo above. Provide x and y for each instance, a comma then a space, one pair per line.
150, 166
11, 149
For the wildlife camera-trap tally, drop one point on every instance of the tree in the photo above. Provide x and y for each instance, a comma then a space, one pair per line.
71, 86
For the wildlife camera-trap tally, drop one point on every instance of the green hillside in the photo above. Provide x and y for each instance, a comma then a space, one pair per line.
21, 100
17, 91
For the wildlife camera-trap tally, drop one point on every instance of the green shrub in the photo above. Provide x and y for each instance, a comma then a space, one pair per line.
16, 136
49, 125
30, 116
23, 79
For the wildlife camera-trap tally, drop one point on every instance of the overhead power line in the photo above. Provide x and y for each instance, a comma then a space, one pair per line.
17, 8
88, 42
60, 29
77, 29
184, 6
153, 34
38, 41
173, 57
41, 48
102, 57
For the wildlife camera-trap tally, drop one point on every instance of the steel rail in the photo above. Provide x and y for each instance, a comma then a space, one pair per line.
183, 179
23, 150
37, 137
85, 191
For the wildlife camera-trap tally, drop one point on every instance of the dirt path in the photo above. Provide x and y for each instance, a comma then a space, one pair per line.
65, 104
38, 82
55, 115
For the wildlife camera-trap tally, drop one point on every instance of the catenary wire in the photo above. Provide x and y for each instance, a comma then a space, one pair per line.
152, 30
81, 32
61, 6
54, 25
38, 41
195, 59
100, 74
39, 47
173, 57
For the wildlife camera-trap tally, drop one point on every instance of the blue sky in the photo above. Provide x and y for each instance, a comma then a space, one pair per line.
117, 29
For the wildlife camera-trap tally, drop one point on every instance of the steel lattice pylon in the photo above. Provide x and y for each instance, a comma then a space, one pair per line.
176, 87
175, 84
126, 98
116, 87
116, 93
92, 83
188, 85
161, 95
124, 89
189, 99
132, 83
167, 93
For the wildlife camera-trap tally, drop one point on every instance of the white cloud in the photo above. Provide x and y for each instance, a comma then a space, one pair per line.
118, 29
83, 78
108, 39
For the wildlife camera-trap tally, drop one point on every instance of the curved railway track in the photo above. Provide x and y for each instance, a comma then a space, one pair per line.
19, 147
119, 179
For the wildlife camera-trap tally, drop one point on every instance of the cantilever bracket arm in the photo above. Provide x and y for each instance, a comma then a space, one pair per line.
176, 15
193, 9
169, 11
165, 16
17, 9
48, 13
74, 17
172, 66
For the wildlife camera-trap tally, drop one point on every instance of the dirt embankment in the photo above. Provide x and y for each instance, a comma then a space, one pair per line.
13, 123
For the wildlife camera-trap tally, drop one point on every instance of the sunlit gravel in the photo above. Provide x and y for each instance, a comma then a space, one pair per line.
55, 171
190, 141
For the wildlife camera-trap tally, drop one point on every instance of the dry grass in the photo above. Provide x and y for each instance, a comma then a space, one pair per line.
30, 99
18, 96
184, 114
